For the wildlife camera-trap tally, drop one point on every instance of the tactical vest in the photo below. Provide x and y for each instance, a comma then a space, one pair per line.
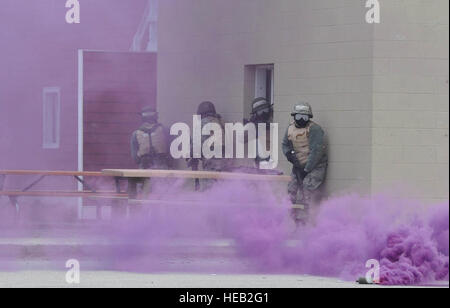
151, 140
300, 140
213, 119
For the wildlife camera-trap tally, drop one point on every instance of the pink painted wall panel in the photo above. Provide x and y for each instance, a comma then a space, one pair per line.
39, 49
116, 88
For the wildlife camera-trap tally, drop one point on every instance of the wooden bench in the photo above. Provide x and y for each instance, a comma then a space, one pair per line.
90, 193
67, 194
187, 174
131, 175
135, 176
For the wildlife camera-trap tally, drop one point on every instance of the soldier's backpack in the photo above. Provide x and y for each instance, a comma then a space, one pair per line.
151, 141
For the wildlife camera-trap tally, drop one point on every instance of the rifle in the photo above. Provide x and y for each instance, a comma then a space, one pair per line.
193, 163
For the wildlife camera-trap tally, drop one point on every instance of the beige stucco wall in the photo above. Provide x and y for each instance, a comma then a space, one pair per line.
410, 105
324, 52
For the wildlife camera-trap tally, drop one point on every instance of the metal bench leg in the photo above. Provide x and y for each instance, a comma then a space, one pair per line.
15, 204
82, 181
132, 188
2, 181
135, 210
12, 200
34, 183
119, 207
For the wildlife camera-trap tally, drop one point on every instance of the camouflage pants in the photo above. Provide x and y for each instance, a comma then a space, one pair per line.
307, 184
215, 165
147, 183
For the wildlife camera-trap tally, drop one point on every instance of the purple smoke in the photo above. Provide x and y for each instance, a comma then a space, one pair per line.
409, 240
418, 253
411, 243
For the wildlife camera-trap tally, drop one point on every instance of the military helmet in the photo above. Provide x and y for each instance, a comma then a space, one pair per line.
303, 108
149, 112
260, 104
206, 108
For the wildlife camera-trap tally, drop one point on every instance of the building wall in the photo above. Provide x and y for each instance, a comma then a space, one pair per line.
410, 102
380, 91
322, 53
39, 49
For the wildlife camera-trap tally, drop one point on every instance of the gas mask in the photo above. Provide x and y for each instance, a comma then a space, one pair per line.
263, 115
153, 118
301, 120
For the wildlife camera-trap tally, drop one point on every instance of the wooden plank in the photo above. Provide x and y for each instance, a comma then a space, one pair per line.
99, 167
132, 173
164, 202
73, 194
51, 173
153, 202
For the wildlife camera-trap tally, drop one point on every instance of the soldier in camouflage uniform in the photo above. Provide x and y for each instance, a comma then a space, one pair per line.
207, 111
262, 113
305, 147
150, 145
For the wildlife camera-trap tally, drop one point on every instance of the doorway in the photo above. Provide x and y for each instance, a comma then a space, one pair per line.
113, 88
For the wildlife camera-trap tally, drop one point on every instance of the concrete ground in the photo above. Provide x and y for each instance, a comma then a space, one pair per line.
96, 279
25, 262
38, 260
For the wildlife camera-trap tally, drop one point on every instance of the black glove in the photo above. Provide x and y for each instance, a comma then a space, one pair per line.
302, 173
293, 159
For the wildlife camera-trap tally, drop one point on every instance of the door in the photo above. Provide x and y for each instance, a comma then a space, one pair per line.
114, 87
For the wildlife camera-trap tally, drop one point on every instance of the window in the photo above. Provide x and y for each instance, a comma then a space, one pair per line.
259, 80
51, 109
264, 82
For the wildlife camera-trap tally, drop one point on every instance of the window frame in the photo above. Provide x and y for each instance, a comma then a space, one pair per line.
47, 143
264, 69
251, 86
